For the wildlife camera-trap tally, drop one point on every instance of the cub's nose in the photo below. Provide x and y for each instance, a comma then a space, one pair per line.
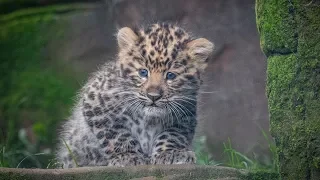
154, 93
154, 96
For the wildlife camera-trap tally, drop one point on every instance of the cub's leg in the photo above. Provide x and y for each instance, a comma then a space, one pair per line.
172, 147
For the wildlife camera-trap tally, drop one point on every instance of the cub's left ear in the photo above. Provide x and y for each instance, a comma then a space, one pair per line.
200, 50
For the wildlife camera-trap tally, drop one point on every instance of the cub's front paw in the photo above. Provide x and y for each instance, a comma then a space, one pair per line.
174, 157
127, 159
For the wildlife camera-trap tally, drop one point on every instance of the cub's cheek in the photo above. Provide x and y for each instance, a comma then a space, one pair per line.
177, 83
139, 81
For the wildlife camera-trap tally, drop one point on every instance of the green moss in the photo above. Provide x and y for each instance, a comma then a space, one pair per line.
261, 175
284, 109
293, 85
308, 18
294, 111
280, 75
276, 25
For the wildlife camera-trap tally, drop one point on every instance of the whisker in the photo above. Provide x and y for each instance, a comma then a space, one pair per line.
123, 101
193, 99
184, 107
193, 103
131, 106
174, 111
180, 108
137, 107
170, 116
117, 105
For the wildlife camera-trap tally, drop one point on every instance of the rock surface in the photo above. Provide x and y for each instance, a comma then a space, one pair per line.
184, 172
163, 172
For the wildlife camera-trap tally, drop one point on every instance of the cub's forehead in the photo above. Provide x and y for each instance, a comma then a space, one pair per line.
161, 42
169, 31
162, 47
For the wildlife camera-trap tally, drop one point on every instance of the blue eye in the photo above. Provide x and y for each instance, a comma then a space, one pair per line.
143, 73
171, 75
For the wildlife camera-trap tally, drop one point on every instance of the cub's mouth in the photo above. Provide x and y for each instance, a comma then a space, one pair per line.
154, 109
156, 104
153, 105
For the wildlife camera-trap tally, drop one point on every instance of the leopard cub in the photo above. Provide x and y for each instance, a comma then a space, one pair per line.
140, 109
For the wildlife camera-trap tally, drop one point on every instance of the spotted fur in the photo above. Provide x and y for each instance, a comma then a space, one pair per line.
125, 117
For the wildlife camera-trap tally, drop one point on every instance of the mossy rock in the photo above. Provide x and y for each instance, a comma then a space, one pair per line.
290, 38
276, 25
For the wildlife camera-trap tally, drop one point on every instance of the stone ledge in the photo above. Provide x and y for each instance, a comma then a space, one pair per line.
171, 172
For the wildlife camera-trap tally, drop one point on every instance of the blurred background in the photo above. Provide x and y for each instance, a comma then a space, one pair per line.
49, 47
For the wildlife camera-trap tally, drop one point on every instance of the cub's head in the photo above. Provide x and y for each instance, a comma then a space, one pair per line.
162, 64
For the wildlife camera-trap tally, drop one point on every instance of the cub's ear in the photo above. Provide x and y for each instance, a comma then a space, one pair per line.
199, 51
126, 37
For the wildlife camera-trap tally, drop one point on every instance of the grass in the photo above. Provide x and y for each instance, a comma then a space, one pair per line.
35, 93
203, 157
26, 157
70, 152
235, 159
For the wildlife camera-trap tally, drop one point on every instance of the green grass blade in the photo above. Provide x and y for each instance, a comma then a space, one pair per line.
73, 157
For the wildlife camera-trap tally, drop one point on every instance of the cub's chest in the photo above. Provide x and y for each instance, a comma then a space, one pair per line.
145, 134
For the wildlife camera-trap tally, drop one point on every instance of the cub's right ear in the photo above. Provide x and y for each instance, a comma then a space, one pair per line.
199, 50
126, 37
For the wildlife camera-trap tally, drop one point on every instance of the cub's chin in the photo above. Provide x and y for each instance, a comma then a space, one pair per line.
155, 111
